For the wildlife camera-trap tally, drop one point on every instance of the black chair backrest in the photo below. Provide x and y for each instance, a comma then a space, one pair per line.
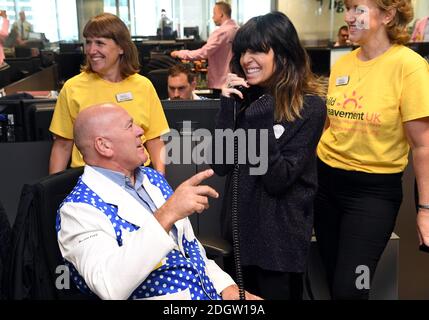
159, 80
35, 254
160, 60
51, 191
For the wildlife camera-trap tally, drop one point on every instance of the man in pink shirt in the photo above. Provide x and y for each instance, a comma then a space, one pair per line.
217, 50
421, 32
3, 33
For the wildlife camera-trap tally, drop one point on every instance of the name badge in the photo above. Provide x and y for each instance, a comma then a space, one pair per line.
342, 81
122, 97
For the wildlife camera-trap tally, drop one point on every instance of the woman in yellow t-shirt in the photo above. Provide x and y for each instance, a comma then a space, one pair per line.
378, 107
110, 75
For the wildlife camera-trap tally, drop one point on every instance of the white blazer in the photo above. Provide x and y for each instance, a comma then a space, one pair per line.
88, 241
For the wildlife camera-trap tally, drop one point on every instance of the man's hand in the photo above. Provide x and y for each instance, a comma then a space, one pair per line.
231, 293
174, 54
188, 198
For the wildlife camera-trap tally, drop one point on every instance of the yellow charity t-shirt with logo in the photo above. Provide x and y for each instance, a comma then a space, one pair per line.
368, 102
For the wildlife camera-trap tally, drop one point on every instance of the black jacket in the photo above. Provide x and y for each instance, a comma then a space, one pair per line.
27, 275
276, 209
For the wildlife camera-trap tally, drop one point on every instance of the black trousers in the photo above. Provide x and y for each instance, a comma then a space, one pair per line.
273, 285
354, 216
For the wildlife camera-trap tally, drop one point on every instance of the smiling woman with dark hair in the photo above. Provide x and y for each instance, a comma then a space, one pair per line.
283, 100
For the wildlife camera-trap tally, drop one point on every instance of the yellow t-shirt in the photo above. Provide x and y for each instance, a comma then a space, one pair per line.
367, 102
135, 94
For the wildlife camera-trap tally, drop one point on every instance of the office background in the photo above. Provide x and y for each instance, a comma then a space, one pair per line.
317, 22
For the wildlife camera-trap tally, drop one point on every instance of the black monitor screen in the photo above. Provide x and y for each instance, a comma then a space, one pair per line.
201, 113
10, 121
145, 49
191, 31
37, 115
320, 59
42, 116
69, 64
68, 47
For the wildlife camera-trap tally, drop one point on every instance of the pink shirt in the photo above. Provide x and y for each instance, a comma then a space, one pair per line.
217, 51
3, 35
419, 30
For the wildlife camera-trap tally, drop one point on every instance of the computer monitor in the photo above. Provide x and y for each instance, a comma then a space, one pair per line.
69, 64
67, 47
42, 116
191, 32
201, 113
320, 59
145, 48
37, 116
10, 110
36, 36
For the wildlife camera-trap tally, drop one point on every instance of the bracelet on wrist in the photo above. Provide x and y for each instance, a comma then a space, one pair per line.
423, 206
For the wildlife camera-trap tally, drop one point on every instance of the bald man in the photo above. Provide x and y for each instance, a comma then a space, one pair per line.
122, 231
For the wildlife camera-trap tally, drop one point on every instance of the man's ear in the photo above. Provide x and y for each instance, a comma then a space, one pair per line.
194, 84
103, 146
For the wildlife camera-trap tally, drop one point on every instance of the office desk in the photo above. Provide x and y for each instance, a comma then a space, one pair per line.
45, 79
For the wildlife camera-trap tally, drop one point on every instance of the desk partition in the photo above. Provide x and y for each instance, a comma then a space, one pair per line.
44, 80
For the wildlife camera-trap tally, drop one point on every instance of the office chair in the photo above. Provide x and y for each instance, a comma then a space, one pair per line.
35, 255
159, 80
159, 60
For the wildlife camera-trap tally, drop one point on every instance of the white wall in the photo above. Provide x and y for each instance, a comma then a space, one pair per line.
86, 9
194, 14
312, 20
421, 8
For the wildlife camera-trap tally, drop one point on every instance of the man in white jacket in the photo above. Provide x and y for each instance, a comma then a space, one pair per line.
122, 231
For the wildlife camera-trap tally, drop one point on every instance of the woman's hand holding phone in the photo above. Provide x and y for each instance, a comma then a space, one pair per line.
232, 86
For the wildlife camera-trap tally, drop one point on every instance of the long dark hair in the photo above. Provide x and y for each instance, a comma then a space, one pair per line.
292, 78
